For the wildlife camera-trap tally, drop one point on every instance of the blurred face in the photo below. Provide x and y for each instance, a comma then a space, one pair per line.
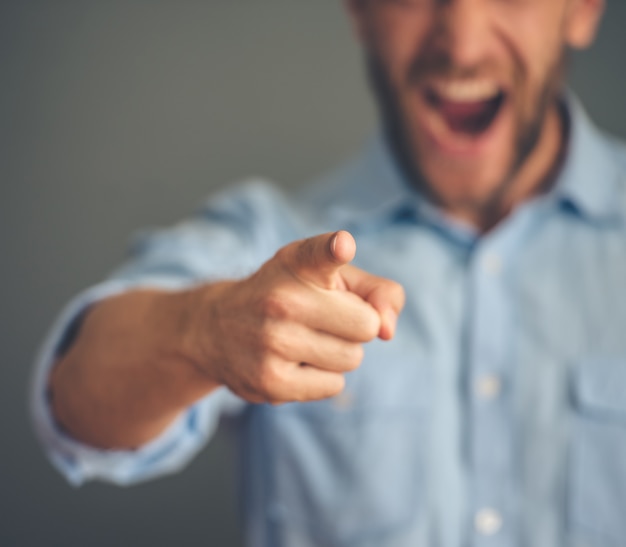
468, 88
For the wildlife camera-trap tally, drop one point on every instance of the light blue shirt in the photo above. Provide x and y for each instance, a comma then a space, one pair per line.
497, 415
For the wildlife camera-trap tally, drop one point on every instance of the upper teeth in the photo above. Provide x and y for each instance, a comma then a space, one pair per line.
467, 90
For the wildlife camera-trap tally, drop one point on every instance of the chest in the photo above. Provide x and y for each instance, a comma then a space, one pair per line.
503, 393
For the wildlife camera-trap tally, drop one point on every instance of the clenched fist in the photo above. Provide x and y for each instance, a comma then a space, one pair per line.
291, 330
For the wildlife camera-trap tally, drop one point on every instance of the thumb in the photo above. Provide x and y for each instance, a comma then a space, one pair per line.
318, 259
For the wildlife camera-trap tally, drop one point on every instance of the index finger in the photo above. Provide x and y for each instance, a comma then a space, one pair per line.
318, 259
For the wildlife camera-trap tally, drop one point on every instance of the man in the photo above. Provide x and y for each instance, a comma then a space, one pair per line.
491, 412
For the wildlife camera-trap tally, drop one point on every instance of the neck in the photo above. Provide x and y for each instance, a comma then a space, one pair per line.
535, 176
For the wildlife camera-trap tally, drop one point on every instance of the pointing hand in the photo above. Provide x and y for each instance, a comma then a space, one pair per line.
291, 330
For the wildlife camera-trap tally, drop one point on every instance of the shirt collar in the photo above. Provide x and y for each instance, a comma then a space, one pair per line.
375, 186
590, 177
588, 180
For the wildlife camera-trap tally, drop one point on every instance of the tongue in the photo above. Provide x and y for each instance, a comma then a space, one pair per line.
472, 118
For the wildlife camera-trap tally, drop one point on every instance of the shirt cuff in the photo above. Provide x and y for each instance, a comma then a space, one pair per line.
166, 454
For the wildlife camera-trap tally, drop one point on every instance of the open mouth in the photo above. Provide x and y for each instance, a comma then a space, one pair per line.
468, 109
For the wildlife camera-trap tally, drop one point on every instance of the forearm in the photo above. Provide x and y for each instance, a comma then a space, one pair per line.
140, 359
131, 371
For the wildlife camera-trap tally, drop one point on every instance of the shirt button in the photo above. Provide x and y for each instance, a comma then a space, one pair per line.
488, 386
492, 264
488, 522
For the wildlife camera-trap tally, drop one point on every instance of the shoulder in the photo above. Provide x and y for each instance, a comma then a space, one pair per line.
232, 231
245, 202
617, 146
265, 215
261, 215
308, 208
617, 152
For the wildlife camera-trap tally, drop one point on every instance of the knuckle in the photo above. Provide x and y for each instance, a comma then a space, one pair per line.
267, 380
332, 387
266, 342
275, 304
283, 254
354, 356
275, 341
389, 291
371, 326
397, 292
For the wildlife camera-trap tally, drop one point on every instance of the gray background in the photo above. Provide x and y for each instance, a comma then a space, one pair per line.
119, 115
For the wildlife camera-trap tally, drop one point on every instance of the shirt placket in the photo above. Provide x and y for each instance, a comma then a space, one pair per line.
490, 427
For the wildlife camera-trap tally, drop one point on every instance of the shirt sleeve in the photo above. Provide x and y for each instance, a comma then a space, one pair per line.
229, 238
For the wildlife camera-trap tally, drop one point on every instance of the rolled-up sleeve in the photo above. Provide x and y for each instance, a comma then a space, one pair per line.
221, 242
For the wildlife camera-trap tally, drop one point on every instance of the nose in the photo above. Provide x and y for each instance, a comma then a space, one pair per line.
463, 31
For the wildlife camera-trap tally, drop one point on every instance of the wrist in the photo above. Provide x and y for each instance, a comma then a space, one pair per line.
199, 328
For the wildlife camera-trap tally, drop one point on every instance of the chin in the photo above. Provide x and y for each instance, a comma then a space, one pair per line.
451, 182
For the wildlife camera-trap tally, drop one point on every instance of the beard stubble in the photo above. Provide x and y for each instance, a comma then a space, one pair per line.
529, 124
